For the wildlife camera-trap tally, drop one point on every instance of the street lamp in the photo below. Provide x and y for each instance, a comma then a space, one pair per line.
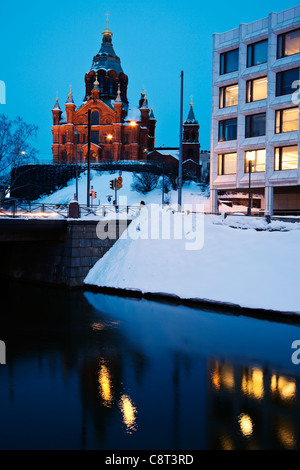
76, 160
250, 156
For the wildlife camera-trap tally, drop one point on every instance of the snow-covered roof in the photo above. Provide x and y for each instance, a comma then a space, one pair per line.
173, 153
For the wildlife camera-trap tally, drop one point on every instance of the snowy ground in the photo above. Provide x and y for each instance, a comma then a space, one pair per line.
249, 268
100, 183
237, 260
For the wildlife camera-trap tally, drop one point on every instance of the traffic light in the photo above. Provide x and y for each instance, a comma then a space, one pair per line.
91, 192
119, 181
95, 194
112, 184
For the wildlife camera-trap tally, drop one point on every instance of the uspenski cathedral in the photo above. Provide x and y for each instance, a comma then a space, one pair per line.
117, 131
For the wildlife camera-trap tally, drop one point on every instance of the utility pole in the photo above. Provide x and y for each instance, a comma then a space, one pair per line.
76, 159
163, 184
89, 158
180, 147
116, 192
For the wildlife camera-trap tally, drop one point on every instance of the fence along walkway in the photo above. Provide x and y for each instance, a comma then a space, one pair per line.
19, 209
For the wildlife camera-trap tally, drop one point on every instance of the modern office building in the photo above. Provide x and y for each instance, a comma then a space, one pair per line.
255, 112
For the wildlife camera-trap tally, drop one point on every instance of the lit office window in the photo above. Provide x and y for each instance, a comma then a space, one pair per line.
256, 89
229, 96
227, 164
288, 43
258, 159
286, 120
229, 61
257, 53
287, 82
286, 158
228, 129
255, 125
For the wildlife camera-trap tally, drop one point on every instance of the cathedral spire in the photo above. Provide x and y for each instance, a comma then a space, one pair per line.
191, 116
151, 115
70, 96
56, 106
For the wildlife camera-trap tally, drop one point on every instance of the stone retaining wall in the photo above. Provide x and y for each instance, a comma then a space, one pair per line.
63, 262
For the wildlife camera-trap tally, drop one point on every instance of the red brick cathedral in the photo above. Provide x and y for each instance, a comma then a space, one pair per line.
118, 132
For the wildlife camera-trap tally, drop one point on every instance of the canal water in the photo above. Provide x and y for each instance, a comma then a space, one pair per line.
86, 370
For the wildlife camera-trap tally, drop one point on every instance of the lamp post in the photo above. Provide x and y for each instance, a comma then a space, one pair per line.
89, 160
180, 146
76, 162
163, 184
250, 159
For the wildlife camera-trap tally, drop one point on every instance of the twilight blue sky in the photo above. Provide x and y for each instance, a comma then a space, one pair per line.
46, 46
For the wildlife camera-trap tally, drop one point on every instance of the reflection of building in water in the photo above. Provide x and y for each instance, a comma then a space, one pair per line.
251, 407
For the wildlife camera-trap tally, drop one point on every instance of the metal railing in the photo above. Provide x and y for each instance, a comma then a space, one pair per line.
14, 209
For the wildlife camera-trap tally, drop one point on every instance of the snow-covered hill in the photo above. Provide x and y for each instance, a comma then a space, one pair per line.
100, 182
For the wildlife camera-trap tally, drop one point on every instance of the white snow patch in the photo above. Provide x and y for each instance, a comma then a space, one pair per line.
249, 268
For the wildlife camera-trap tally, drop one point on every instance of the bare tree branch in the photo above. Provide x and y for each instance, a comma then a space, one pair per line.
16, 148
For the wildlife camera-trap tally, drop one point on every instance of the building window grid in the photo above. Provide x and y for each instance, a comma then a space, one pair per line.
281, 43
225, 65
283, 158
251, 89
259, 161
228, 130
283, 124
252, 50
228, 96
285, 81
254, 126
227, 163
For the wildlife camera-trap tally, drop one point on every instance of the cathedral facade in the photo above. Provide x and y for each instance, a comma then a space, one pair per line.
117, 131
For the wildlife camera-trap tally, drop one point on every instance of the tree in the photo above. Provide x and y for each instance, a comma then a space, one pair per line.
144, 182
15, 149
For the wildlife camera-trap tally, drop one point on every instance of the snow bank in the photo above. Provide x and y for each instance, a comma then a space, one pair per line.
249, 268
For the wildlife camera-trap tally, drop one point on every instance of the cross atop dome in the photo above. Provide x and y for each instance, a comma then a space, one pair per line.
107, 31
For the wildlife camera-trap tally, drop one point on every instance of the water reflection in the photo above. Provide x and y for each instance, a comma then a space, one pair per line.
101, 372
105, 387
253, 407
129, 413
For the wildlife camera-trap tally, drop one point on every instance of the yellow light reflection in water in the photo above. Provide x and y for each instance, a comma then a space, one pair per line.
97, 326
226, 442
283, 388
223, 376
252, 383
246, 424
129, 412
105, 387
286, 434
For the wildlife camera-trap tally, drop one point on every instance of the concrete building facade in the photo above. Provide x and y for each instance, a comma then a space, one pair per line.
255, 112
